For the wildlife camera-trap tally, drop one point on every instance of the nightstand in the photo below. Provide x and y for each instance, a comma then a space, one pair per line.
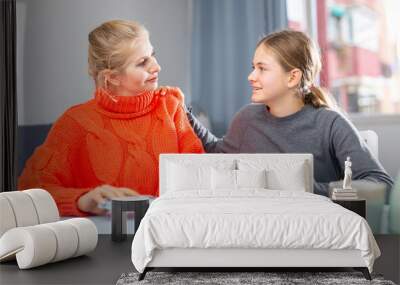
120, 206
358, 206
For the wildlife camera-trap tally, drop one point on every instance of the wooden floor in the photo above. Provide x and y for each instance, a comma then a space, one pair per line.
389, 262
106, 264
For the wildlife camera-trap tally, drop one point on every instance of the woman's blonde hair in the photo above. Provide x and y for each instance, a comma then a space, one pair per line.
295, 49
110, 45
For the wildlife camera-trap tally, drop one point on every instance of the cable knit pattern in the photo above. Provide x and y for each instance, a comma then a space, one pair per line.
113, 140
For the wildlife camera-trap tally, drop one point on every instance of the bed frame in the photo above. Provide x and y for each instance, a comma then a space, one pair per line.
245, 259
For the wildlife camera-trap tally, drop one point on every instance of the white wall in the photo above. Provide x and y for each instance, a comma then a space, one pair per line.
52, 49
388, 129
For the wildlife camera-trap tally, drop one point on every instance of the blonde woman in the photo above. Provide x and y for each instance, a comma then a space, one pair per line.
109, 146
293, 115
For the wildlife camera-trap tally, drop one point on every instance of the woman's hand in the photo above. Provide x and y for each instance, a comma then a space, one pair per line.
89, 201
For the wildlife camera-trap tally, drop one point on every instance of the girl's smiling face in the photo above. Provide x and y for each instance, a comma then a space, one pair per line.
268, 78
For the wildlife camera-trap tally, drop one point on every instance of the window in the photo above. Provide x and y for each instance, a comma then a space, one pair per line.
360, 48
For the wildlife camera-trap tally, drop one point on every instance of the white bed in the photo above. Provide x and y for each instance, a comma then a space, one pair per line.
247, 210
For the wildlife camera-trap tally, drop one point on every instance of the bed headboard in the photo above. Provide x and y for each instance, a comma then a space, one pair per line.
284, 166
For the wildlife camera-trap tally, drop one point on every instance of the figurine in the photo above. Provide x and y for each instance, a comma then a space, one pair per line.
347, 174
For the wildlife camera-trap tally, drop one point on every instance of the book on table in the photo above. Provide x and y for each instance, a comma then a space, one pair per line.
344, 194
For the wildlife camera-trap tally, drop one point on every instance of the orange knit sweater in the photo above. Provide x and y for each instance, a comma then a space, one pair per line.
113, 140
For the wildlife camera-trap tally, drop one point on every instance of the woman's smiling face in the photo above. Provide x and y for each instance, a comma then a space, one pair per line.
141, 71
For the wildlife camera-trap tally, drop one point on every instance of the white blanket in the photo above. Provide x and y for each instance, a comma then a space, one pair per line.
250, 218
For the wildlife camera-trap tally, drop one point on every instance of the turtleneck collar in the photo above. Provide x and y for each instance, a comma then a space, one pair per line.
123, 106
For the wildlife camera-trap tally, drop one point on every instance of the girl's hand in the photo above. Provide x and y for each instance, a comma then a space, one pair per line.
162, 90
89, 201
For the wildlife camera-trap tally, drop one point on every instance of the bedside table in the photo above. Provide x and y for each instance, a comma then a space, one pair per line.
358, 206
137, 204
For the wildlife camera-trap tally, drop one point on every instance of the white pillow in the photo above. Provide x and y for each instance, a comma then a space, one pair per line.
228, 179
223, 179
293, 180
251, 178
186, 174
281, 174
182, 177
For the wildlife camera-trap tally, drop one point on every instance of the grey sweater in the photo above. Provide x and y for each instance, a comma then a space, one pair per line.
323, 132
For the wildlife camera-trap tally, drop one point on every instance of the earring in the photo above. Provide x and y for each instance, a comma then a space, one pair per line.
305, 89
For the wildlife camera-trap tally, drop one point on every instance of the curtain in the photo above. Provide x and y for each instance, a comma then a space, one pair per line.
225, 33
8, 95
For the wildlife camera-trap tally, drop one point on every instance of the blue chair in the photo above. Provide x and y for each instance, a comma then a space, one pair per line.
29, 138
394, 210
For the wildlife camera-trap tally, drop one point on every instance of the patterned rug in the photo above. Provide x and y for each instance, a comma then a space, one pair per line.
230, 278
